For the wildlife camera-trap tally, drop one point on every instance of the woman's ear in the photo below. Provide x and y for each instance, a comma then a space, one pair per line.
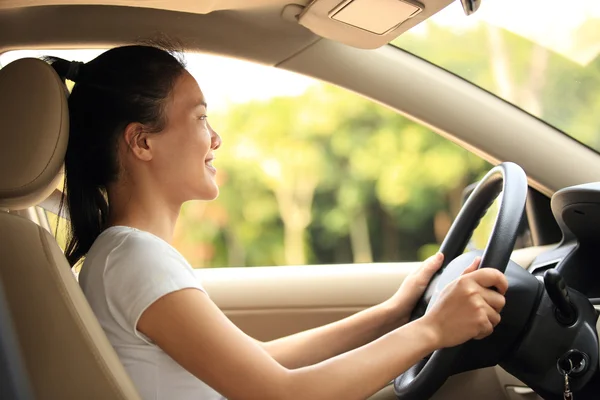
136, 139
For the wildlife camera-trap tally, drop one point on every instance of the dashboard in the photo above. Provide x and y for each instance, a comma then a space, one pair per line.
577, 212
574, 260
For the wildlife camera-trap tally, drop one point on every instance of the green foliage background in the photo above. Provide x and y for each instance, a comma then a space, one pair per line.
330, 177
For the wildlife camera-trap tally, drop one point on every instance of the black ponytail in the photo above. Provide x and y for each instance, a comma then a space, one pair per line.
123, 85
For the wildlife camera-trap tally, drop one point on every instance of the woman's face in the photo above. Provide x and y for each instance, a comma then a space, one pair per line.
183, 154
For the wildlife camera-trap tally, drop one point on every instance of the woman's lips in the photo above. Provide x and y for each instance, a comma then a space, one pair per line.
209, 166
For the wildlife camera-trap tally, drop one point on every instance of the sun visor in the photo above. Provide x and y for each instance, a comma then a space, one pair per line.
366, 24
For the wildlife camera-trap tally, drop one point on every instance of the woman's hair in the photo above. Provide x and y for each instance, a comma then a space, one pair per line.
121, 86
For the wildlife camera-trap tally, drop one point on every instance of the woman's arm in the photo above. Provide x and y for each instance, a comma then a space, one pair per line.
315, 345
318, 344
189, 327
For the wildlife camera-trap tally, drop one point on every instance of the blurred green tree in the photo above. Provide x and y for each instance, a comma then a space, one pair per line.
330, 177
374, 173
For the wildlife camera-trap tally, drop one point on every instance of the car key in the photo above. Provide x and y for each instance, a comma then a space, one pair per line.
568, 363
567, 395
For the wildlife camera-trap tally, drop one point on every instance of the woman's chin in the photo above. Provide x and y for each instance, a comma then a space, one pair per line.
209, 192
214, 196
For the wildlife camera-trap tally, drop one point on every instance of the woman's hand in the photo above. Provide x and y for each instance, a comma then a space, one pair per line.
469, 307
405, 299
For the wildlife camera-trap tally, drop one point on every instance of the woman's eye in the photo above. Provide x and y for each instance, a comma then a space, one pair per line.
203, 117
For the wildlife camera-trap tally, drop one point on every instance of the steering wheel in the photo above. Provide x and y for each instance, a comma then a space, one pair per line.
423, 379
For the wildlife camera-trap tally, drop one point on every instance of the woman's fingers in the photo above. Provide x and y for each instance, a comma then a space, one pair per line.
489, 320
432, 264
490, 277
494, 299
473, 267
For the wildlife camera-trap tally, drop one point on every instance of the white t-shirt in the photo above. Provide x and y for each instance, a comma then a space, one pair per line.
125, 271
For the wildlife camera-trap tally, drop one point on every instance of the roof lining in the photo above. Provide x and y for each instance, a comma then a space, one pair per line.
192, 6
255, 35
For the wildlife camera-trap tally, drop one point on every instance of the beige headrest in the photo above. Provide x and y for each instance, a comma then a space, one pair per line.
34, 131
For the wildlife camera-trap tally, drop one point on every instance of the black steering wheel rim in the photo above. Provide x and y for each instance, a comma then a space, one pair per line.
423, 379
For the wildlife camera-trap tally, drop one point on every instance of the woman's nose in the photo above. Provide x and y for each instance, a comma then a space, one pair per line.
215, 139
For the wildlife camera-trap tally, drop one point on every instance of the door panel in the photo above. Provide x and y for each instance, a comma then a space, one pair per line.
267, 325
487, 383
476, 385
271, 302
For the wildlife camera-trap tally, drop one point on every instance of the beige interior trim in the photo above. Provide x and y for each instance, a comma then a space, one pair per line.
524, 257
263, 37
195, 6
316, 15
34, 110
66, 352
270, 302
314, 286
369, 24
487, 383
35, 215
307, 286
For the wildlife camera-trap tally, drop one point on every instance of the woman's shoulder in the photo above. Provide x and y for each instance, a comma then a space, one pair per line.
121, 255
123, 245
132, 240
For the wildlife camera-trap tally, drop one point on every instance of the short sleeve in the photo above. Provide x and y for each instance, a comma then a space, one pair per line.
139, 271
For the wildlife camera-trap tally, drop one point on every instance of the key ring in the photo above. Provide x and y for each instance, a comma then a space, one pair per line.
567, 394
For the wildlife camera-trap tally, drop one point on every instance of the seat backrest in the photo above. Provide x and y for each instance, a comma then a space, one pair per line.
66, 352
15, 381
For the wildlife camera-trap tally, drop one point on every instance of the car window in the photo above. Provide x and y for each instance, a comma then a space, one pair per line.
549, 65
59, 228
314, 174
486, 225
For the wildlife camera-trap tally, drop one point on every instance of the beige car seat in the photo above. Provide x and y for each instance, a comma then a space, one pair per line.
66, 353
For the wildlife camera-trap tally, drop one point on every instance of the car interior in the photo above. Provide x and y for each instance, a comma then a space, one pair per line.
51, 345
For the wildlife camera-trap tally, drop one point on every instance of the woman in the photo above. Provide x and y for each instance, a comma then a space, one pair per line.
140, 146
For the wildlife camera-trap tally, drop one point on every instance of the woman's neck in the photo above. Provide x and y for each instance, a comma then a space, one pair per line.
134, 207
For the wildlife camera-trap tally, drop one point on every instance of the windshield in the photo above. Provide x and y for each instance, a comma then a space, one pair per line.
540, 55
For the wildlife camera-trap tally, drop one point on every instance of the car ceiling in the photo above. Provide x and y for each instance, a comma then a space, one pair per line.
262, 36
191, 6
268, 31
